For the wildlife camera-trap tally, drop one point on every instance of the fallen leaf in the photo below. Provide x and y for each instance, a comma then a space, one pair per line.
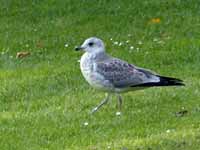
155, 20
181, 113
22, 54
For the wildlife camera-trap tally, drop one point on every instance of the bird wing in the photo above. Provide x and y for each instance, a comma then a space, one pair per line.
122, 74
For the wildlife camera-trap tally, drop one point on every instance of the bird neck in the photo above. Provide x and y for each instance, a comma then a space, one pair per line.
96, 54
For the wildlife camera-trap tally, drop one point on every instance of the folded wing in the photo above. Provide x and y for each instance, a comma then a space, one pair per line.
122, 74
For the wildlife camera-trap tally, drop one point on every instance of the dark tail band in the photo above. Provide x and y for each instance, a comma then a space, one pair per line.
164, 81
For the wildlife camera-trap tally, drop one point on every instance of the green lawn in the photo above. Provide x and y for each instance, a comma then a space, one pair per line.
45, 101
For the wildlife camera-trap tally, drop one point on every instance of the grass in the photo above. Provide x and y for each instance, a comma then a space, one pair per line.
44, 100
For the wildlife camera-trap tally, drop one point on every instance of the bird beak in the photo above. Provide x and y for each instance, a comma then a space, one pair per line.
78, 48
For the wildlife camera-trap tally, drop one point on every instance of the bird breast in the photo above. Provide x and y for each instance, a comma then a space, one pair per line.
86, 66
95, 79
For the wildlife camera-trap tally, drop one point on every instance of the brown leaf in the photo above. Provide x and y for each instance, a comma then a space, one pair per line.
22, 54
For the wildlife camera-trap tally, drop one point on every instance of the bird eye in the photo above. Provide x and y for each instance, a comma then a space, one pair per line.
90, 44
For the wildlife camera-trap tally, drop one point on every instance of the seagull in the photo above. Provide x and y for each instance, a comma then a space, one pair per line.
115, 76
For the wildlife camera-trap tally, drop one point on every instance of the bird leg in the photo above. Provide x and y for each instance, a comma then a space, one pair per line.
119, 102
104, 101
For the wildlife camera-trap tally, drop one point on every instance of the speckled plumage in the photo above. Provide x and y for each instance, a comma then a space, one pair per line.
114, 75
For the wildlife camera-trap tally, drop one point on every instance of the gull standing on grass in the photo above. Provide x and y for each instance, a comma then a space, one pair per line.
114, 75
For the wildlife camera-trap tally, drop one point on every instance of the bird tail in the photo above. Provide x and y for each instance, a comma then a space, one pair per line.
164, 81
168, 81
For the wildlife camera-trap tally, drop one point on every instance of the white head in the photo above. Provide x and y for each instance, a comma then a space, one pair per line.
92, 45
